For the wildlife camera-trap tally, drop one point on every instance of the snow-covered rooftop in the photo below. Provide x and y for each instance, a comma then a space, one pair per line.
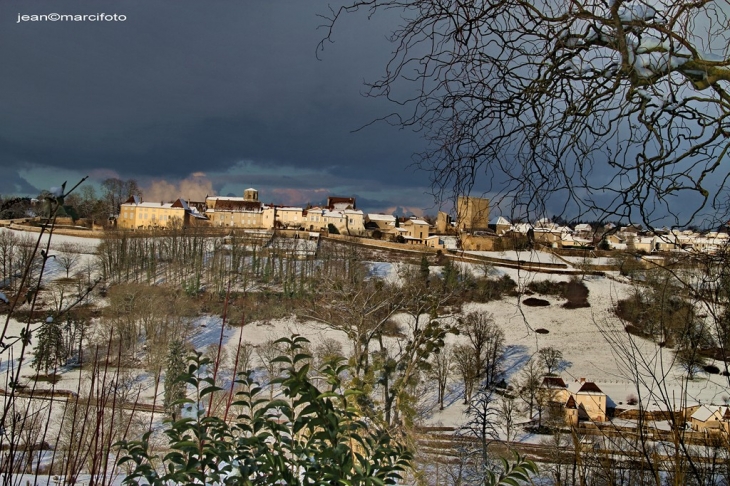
705, 412
225, 198
289, 208
381, 217
149, 205
501, 221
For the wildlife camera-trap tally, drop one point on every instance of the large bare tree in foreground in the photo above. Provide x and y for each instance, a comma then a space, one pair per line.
611, 108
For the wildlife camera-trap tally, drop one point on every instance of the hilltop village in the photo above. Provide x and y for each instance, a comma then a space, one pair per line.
472, 222
473, 227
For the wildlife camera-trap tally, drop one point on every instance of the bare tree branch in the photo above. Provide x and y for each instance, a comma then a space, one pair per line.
604, 108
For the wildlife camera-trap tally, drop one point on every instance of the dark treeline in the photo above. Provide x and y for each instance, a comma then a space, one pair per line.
87, 203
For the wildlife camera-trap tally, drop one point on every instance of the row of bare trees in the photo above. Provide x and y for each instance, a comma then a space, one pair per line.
175, 256
17, 255
87, 203
193, 258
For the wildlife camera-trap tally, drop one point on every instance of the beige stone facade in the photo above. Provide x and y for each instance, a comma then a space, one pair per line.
283, 217
384, 222
478, 243
237, 219
591, 402
135, 214
416, 230
236, 212
502, 226
443, 223
711, 418
347, 221
582, 400
472, 213
434, 242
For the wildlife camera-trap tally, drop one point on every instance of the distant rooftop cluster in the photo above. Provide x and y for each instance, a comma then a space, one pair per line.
612, 237
472, 225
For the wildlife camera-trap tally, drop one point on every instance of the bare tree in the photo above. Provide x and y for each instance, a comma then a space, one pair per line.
483, 414
652, 373
27, 259
242, 361
543, 398
26, 422
466, 367
216, 353
327, 350
62, 294
359, 307
440, 371
487, 341
556, 469
89, 272
121, 322
690, 346
8, 265
529, 384
116, 191
579, 101
94, 421
68, 256
424, 335
551, 359
507, 413
84, 202
267, 353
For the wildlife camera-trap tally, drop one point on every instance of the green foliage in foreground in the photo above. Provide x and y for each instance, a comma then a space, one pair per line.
307, 437
512, 474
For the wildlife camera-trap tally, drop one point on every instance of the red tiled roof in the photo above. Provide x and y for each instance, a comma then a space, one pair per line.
553, 382
590, 387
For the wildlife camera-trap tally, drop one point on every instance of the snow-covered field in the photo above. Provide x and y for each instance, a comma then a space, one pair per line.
593, 341
86, 248
57, 240
581, 334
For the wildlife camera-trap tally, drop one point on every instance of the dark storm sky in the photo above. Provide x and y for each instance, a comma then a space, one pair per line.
229, 88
